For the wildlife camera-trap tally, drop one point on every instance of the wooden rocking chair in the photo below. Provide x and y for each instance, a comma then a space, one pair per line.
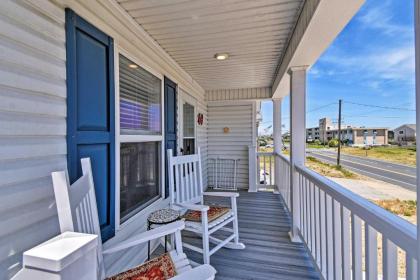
186, 192
77, 211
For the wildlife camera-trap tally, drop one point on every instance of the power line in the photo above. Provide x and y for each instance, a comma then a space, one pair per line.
382, 107
321, 107
375, 117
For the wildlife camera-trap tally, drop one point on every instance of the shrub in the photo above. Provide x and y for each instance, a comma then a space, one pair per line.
317, 142
333, 143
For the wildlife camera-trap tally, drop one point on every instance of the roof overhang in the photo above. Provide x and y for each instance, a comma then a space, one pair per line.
319, 24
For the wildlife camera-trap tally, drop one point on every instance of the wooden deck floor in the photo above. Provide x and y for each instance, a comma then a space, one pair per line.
269, 254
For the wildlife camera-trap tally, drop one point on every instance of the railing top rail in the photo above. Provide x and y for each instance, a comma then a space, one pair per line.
265, 153
283, 157
399, 231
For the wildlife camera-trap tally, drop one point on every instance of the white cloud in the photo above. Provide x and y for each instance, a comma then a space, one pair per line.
392, 64
379, 17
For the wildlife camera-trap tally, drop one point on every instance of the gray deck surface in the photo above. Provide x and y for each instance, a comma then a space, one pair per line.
269, 254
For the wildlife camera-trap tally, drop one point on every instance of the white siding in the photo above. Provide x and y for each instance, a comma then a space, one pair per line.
32, 125
238, 94
238, 118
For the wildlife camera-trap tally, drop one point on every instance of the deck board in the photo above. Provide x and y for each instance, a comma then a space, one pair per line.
269, 254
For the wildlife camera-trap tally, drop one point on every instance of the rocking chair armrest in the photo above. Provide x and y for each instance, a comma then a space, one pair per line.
222, 194
195, 207
147, 236
202, 272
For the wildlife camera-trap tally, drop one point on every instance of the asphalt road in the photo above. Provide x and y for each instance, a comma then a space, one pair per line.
397, 174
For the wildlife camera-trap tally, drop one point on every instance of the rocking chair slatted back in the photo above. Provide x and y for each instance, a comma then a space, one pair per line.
76, 206
185, 178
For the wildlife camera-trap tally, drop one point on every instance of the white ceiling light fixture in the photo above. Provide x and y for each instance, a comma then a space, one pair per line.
133, 66
221, 56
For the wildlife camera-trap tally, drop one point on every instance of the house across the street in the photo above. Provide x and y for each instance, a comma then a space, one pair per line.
405, 134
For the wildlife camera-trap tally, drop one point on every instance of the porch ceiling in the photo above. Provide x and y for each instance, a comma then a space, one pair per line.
254, 34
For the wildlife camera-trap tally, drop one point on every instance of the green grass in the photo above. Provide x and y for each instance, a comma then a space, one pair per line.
403, 155
315, 146
329, 170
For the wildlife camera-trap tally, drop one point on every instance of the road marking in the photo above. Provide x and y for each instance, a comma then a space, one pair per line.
395, 180
355, 162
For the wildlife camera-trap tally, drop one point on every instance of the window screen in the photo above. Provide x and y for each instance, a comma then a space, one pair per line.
140, 100
139, 176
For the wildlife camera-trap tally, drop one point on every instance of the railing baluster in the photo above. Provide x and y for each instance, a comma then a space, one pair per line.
270, 174
390, 259
304, 209
301, 201
345, 243
371, 253
308, 221
312, 214
265, 171
337, 239
356, 242
329, 236
323, 234
317, 226
411, 267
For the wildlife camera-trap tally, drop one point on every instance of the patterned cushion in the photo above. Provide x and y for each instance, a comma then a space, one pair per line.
160, 268
213, 213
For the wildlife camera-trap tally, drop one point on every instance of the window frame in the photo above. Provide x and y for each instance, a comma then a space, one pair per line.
184, 97
125, 138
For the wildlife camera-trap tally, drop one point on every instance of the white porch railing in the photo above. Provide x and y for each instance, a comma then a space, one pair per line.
265, 169
341, 231
283, 179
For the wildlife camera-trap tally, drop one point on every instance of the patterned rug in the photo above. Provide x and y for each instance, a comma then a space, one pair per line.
213, 213
160, 268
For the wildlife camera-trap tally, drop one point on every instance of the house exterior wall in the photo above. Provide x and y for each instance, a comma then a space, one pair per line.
404, 134
230, 133
33, 118
367, 138
32, 125
312, 134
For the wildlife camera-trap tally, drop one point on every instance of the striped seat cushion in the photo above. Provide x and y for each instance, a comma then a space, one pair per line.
160, 268
213, 213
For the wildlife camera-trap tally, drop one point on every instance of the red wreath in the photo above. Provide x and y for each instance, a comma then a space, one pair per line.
200, 119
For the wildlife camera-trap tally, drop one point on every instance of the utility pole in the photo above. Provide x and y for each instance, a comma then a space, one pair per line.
339, 132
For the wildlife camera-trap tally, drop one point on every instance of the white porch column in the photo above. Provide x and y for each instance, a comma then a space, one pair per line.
297, 139
278, 142
417, 53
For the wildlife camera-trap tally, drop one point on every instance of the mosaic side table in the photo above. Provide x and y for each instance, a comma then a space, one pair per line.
161, 217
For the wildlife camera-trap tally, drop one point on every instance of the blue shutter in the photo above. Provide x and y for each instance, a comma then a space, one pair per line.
170, 124
91, 112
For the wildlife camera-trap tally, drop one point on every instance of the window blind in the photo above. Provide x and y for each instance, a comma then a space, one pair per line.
189, 120
140, 99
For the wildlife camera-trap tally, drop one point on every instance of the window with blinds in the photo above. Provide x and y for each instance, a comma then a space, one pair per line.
140, 100
188, 119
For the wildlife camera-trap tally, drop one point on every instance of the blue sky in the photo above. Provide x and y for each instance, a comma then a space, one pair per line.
370, 62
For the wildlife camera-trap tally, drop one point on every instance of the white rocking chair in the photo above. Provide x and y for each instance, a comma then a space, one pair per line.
77, 211
186, 192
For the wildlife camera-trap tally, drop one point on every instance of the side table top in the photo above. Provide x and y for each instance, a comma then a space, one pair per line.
163, 216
